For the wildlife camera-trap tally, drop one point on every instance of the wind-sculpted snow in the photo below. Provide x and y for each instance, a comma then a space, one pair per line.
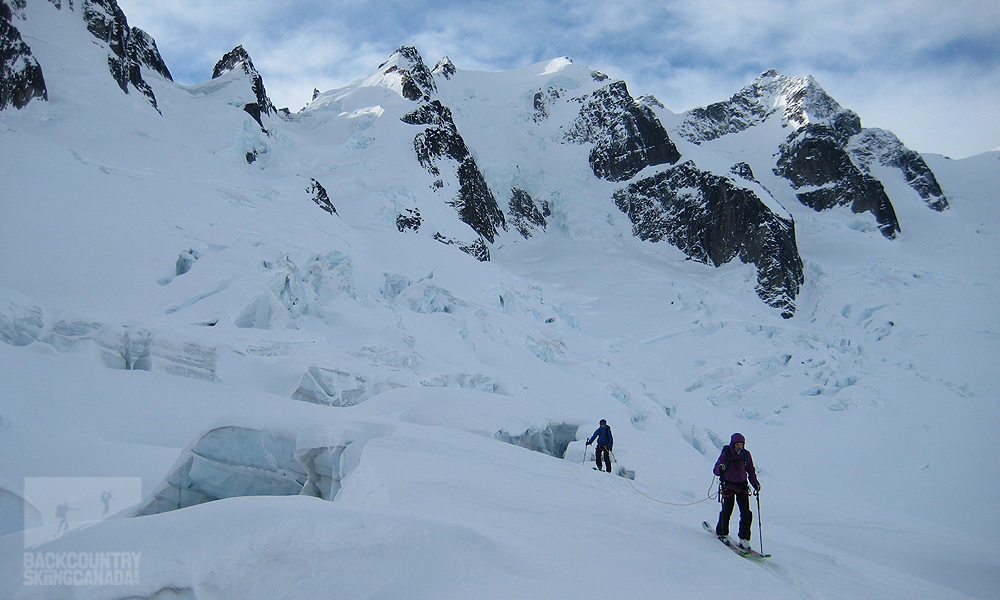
421, 297
815, 161
231, 461
553, 439
21, 77
626, 135
299, 454
335, 387
292, 292
20, 320
285, 457
713, 221
122, 347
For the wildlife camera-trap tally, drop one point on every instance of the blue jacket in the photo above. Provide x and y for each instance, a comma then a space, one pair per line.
603, 435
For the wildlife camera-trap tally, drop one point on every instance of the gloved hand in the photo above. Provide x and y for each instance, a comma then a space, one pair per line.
588, 443
722, 467
757, 487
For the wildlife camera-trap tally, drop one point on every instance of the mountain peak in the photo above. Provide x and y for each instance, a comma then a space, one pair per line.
238, 59
406, 73
445, 68
799, 100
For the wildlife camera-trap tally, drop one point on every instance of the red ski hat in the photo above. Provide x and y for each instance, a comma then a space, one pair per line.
737, 439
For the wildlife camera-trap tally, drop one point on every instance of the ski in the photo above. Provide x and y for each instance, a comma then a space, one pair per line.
748, 553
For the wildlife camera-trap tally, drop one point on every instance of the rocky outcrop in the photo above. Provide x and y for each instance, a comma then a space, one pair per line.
238, 58
477, 249
408, 220
415, 80
440, 142
814, 158
142, 47
880, 146
320, 197
525, 214
131, 48
713, 221
21, 78
544, 99
626, 135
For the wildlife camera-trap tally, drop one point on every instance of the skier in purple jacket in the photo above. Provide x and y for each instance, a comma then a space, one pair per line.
734, 467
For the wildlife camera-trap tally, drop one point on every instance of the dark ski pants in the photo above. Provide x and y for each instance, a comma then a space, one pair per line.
603, 452
746, 517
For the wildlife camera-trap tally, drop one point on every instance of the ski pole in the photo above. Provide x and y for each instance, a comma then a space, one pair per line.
760, 535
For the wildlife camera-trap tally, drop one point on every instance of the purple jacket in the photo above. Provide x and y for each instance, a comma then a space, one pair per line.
739, 467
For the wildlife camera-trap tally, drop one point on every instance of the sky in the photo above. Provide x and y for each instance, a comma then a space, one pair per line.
928, 70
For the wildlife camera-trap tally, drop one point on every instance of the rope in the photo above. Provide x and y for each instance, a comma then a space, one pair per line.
706, 499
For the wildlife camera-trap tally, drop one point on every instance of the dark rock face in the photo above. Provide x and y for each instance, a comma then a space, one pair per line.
417, 80
744, 171
131, 48
544, 99
238, 58
814, 156
525, 215
20, 74
713, 221
627, 136
143, 48
877, 145
440, 141
408, 220
476, 249
320, 197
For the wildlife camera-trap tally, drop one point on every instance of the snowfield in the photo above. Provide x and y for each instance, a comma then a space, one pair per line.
321, 405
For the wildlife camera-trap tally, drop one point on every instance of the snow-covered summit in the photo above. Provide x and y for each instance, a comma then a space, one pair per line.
254, 100
406, 73
799, 101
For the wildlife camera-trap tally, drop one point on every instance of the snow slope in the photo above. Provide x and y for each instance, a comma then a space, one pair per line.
156, 288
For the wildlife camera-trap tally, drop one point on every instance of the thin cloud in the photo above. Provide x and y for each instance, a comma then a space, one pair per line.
895, 62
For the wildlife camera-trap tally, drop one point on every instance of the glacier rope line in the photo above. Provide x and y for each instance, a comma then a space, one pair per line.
708, 496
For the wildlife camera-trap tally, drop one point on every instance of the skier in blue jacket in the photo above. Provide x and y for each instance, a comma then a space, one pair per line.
604, 444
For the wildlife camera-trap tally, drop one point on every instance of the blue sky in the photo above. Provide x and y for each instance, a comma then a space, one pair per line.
928, 70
